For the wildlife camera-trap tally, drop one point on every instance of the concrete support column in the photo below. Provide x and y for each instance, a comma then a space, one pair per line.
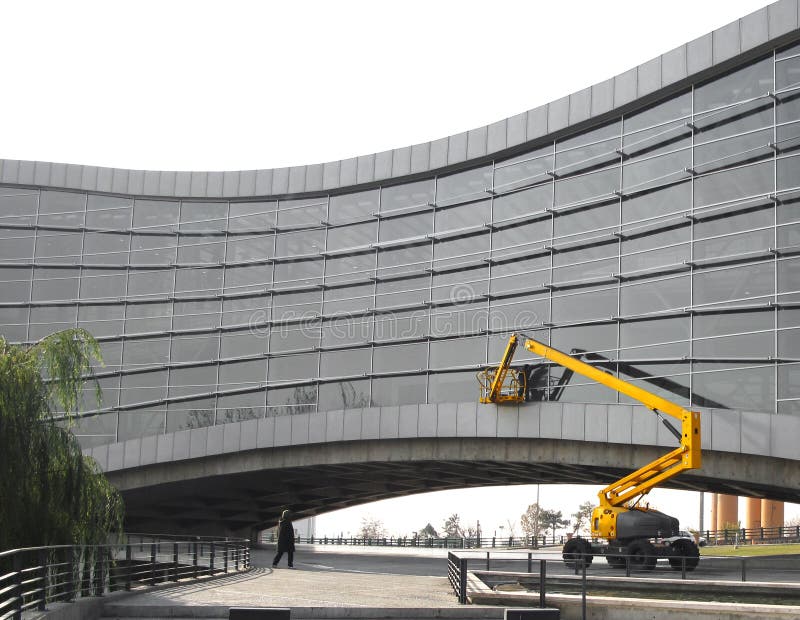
712, 521
752, 513
771, 513
727, 511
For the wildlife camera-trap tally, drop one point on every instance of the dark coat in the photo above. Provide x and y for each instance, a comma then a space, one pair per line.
285, 535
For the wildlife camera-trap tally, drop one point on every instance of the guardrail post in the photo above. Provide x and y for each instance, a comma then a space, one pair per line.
530, 562
70, 584
744, 569
542, 581
18, 586
488, 564
128, 567
211, 556
152, 564
43, 576
194, 559
583, 589
225, 553
683, 567
462, 580
175, 570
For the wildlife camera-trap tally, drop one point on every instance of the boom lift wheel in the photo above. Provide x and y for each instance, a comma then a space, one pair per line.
576, 550
642, 555
685, 549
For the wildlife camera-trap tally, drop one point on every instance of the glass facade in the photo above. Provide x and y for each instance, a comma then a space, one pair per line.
663, 241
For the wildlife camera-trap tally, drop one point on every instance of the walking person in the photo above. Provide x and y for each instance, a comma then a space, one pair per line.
285, 539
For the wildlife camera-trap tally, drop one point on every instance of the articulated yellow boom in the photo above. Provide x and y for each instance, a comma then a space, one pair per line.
497, 385
629, 489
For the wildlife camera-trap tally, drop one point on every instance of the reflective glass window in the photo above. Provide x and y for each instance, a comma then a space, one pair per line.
351, 237
244, 374
345, 330
293, 337
463, 318
588, 150
649, 171
246, 248
140, 352
150, 283
201, 249
303, 212
55, 284
348, 299
520, 275
47, 320
291, 400
407, 195
141, 423
463, 217
16, 245
61, 209
98, 430
189, 414
520, 239
15, 283
251, 311
410, 227
155, 215
252, 216
788, 279
653, 205
153, 249
101, 320
586, 262
144, 318
517, 313
405, 260
521, 204
751, 81
523, 170
654, 339
344, 363
238, 407
658, 247
243, 343
291, 306
302, 243
103, 283
109, 212
461, 251
400, 357
198, 281
293, 367
394, 326
450, 387
596, 221
143, 387
18, 206
192, 380
738, 285
601, 339
58, 247
344, 395
719, 235
196, 315
647, 296
105, 248
194, 348
247, 278
458, 352
743, 387
355, 268
13, 322
468, 185
393, 391
405, 292
203, 216
460, 286
732, 335
353, 207
586, 188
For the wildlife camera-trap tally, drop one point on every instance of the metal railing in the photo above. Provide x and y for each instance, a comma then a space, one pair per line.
444, 542
32, 577
757, 535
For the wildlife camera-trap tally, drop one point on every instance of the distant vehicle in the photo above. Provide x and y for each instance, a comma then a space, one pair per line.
701, 541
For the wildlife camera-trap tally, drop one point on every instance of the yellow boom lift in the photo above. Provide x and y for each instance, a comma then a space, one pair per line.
631, 532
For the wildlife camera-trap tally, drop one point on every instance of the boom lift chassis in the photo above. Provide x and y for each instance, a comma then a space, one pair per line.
633, 534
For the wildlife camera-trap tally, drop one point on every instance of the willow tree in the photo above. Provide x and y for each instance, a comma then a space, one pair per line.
50, 493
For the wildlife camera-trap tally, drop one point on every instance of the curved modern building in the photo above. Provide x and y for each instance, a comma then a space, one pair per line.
651, 219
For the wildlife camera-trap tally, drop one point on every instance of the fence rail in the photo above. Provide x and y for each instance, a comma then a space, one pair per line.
31, 578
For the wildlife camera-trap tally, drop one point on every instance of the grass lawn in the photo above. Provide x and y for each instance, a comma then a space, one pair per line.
747, 550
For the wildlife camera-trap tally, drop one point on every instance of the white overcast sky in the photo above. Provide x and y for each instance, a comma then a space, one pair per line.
198, 85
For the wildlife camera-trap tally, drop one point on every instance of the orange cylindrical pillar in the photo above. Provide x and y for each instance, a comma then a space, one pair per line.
712, 522
727, 512
771, 513
752, 513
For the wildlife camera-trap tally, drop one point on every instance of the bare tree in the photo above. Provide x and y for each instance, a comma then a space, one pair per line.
582, 517
452, 526
371, 528
531, 522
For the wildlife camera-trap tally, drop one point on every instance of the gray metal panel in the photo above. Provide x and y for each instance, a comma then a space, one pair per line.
249, 434
182, 448
673, 66
383, 165
529, 421
420, 156
625, 87
27, 172
401, 161
619, 423
517, 129
550, 424
496, 136
370, 423
580, 106
755, 432
151, 182
166, 183
726, 430
214, 185
508, 421
648, 79
116, 456
408, 421
348, 171
314, 178
644, 427
198, 440
573, 421
280, 181
487, 421
476, 142
352, 424
297, 179
148, 455
74, 173
88, 178
785, 431
754, 29
330, 175
41, 173
164, 449
119, 180
437, 154
299, 428
283, 430
99, 453
699, 54
467, 419
10, 171
247, 183
457, 148
725, 42
390, 420
366, 169
427, 421
558, 114
215, 440
782, 17
334, 425
266, 433
446, 419
536, 124
317, 427
596, 423
58, 174
263, 182
602, 97
104, 179
184, 183
132, 451
231, 437
230, 183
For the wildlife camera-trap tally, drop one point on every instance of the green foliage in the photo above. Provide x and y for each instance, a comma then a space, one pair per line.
551, 520
582, 517
452, 526
51, 494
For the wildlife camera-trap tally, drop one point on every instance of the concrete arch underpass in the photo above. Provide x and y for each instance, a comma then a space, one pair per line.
236, 477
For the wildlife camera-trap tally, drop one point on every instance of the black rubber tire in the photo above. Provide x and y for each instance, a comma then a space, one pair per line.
642, 555
615, 561
684, 548
576, 549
